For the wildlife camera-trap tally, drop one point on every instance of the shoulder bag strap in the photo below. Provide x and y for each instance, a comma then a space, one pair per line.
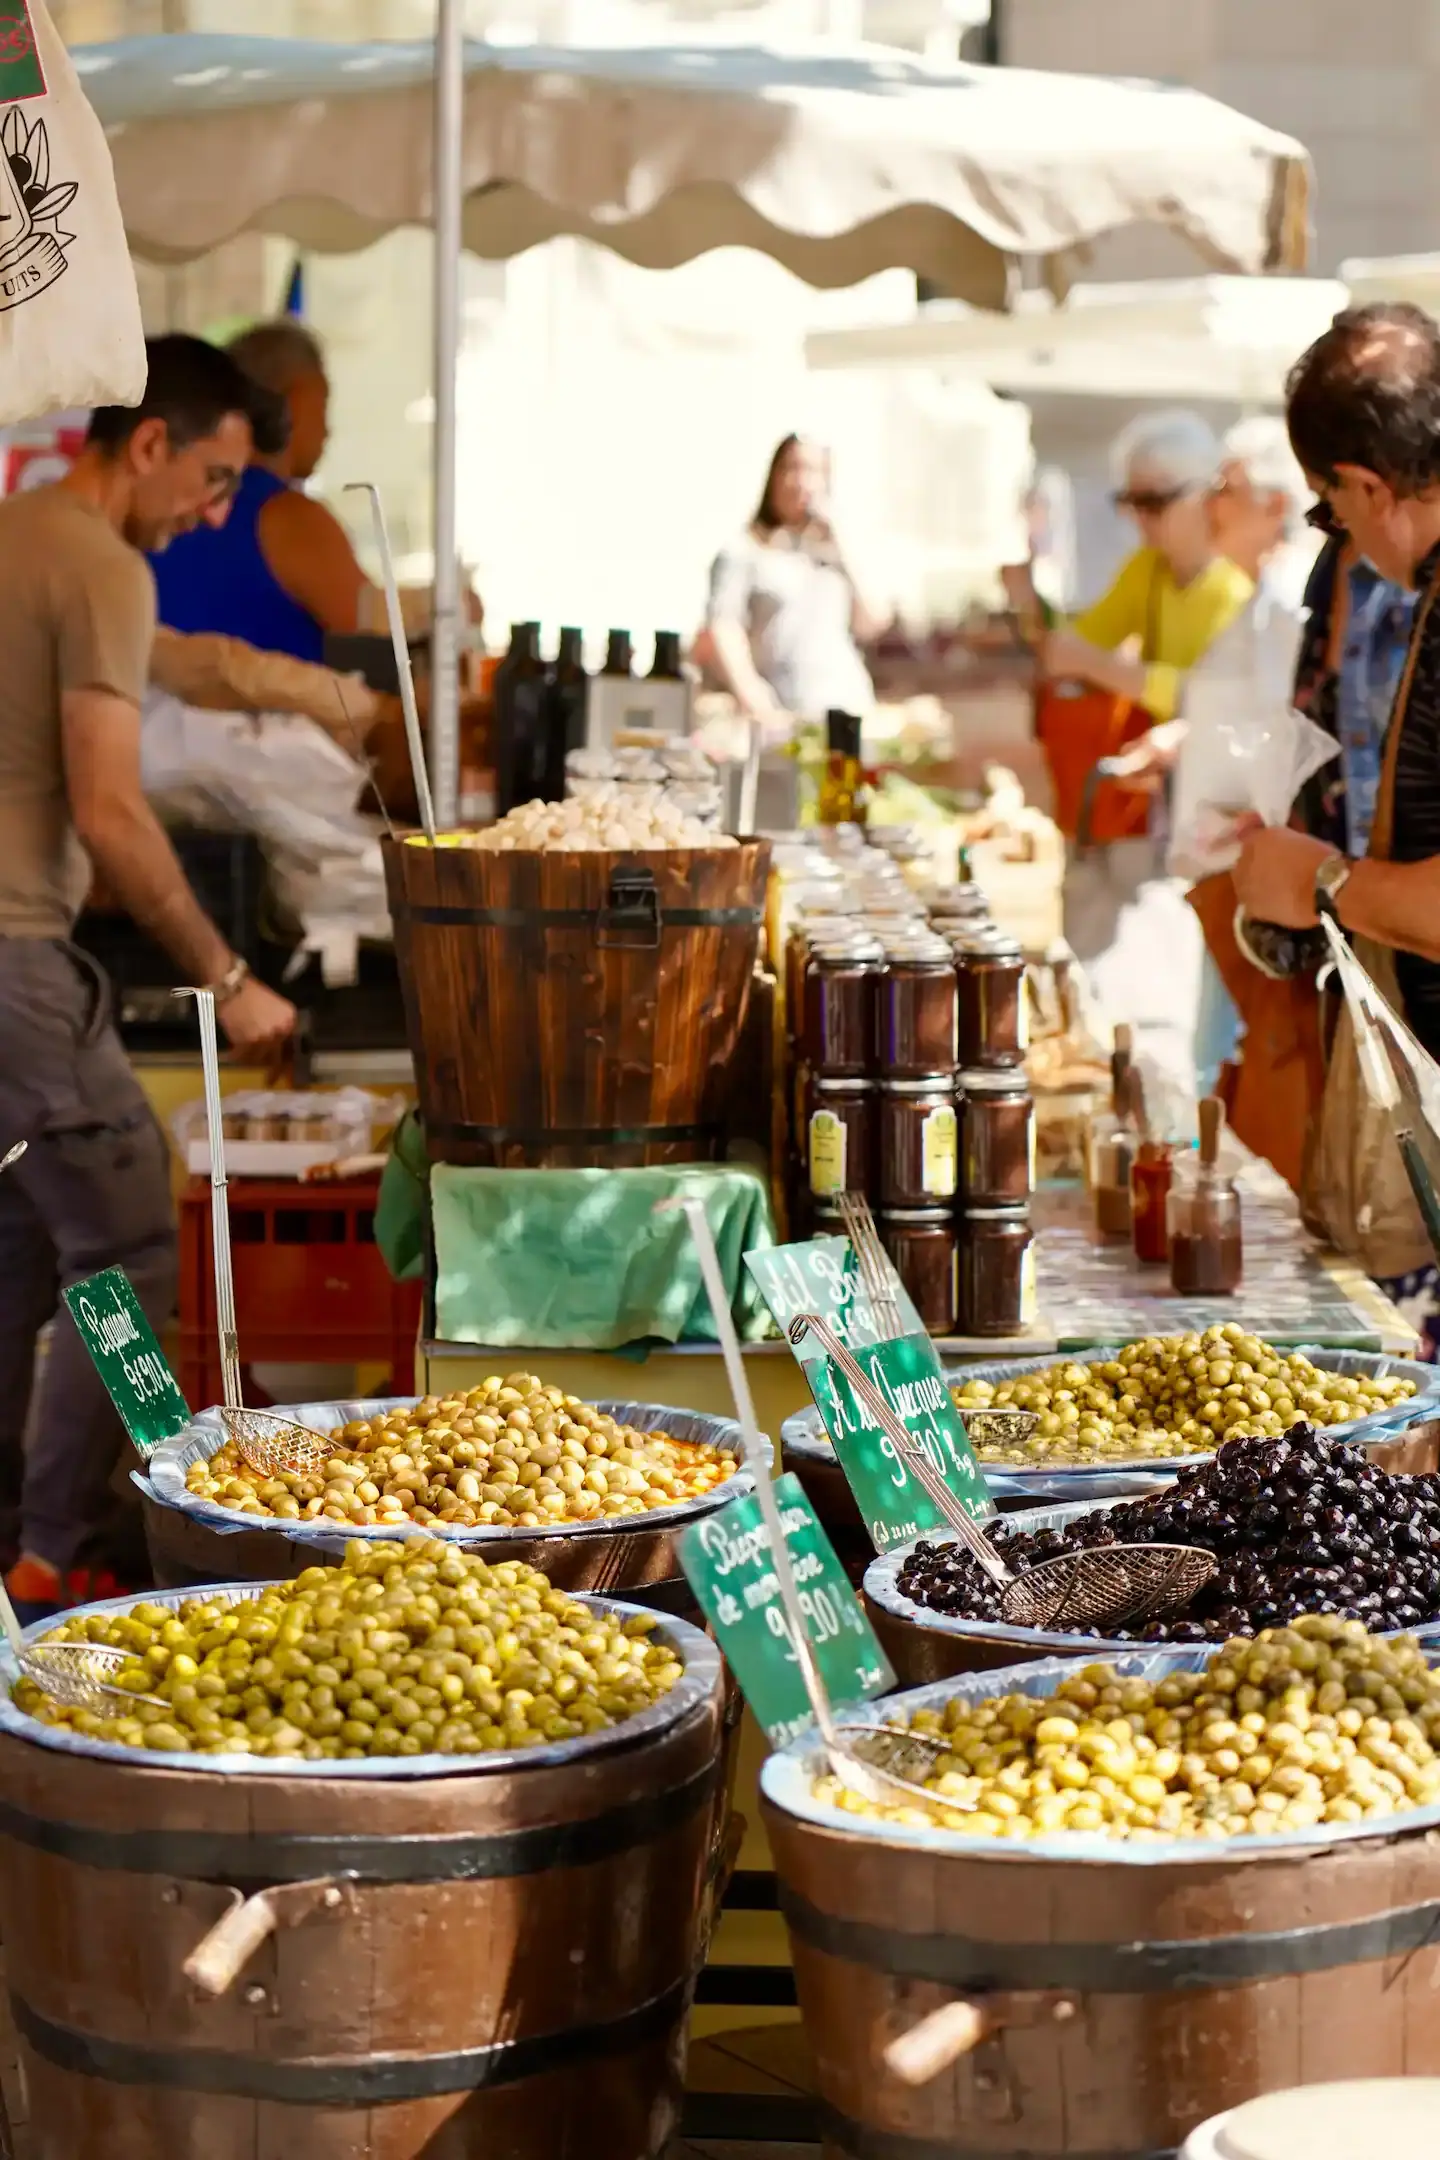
1381, 829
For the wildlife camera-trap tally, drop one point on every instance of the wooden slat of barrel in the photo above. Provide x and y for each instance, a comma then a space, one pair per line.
1194, 1987
920, 1654
512, 1980
537, 1031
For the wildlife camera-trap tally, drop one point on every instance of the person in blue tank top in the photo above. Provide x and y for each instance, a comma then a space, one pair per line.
281, 573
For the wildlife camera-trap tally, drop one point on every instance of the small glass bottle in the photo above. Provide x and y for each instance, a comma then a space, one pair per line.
1203, 1213
1150, 1175
842, 796
1110, 1148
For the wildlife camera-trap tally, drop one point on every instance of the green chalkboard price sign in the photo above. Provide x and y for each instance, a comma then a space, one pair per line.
726, 1558
908, 1375
823, 1276
129, 1360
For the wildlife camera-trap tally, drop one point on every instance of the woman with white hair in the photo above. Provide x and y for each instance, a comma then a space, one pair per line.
1135, 647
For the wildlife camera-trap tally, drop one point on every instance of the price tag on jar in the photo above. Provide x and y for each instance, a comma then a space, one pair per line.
726, 1558
129, 1360
895, 1505
823, 1276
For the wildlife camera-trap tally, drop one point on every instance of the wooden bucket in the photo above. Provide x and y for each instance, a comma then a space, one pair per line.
491, 1966
1096, 2010
575, 1010
920, 1654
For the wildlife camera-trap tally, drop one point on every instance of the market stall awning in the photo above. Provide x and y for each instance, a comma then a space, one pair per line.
840, 162
1220, 337
1415, 278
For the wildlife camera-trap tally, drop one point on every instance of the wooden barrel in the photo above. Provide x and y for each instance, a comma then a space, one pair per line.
492, 1966
575, 1010
1096, 2010
920, 1654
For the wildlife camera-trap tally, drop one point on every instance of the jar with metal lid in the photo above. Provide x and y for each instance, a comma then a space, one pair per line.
839, 1135
997, 1149
839, 1030
994, 1026
994, 1272
919, 1142
921, 1242
916, 1008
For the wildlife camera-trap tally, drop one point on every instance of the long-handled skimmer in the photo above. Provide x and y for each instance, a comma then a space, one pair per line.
275, 1446
881, 1763
1000, 1428
78, 1675
1104, 1586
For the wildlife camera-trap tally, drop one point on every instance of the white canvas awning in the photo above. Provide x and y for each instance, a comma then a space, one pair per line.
1394, 277
1230, 338
839, 162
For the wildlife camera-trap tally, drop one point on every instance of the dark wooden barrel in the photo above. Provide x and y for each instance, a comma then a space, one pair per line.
505, 1975
1098, 2011
575, 1010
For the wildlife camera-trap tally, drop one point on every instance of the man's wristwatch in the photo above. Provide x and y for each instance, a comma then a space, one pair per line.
1330, 877
231, 983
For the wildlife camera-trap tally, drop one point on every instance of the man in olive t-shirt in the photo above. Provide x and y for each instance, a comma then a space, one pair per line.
77, 614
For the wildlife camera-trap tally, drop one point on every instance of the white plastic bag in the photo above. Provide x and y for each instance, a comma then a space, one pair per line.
1246, 752
70, 327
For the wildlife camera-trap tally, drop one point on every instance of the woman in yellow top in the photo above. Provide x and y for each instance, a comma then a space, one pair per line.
1126, 922
1174, 595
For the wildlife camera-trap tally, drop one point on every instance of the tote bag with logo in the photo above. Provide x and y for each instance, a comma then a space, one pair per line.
70, 327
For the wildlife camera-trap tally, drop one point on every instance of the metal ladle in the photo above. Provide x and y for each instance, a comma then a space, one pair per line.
275, 1446
77, 1675
1101, 1587
879, 1763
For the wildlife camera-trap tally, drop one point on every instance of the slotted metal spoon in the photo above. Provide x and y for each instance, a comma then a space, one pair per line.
879, 1763
275, 1446
77, 1675
1103, 1587
1002, 1428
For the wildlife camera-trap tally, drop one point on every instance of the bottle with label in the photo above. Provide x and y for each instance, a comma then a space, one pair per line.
566, 698
521, 748
668, 687
842, 784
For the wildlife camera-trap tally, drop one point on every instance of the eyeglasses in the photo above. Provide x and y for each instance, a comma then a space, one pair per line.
222, 484
1322, 519
1147, 502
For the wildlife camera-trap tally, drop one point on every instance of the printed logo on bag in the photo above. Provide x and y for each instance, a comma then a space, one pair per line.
32, 244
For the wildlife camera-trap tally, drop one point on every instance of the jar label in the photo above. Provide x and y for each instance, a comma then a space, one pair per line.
1022, 1015
939, 1152
1030, 1147
827, 1153
1029, 1292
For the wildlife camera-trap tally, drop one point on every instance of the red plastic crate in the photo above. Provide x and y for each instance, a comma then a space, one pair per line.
310, 1285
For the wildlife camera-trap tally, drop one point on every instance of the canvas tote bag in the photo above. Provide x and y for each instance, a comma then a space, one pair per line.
70, 327
1356, 1194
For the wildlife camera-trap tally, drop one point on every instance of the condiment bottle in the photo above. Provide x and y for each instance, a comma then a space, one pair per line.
1112, 1148
619, 654
1149, 1185
522, 762
566, 698
1203, 1215
842, 799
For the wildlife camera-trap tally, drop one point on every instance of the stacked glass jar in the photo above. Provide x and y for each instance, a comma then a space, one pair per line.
907, 1042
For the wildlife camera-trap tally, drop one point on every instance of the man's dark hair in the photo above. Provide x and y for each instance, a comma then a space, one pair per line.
1367, 393
191, 386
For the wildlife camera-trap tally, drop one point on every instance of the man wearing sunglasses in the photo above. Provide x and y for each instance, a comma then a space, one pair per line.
77, 615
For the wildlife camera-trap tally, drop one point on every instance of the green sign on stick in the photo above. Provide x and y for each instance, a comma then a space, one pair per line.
21, 77
129, 1360
726, 1558
907, 1373
823, 1276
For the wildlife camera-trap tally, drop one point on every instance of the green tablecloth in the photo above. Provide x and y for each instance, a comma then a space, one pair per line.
572, 1259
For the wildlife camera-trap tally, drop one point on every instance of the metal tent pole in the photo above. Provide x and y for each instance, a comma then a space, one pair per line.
445, 649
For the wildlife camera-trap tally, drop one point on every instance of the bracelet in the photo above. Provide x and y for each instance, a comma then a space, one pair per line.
231, 983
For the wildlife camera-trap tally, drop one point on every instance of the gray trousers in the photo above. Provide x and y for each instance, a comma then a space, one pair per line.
1141, 947
92, 1192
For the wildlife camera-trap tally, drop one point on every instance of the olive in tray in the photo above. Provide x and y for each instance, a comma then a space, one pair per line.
1299, 1524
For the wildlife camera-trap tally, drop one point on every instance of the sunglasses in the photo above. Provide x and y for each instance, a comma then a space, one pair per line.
1322, 519
1147, 502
